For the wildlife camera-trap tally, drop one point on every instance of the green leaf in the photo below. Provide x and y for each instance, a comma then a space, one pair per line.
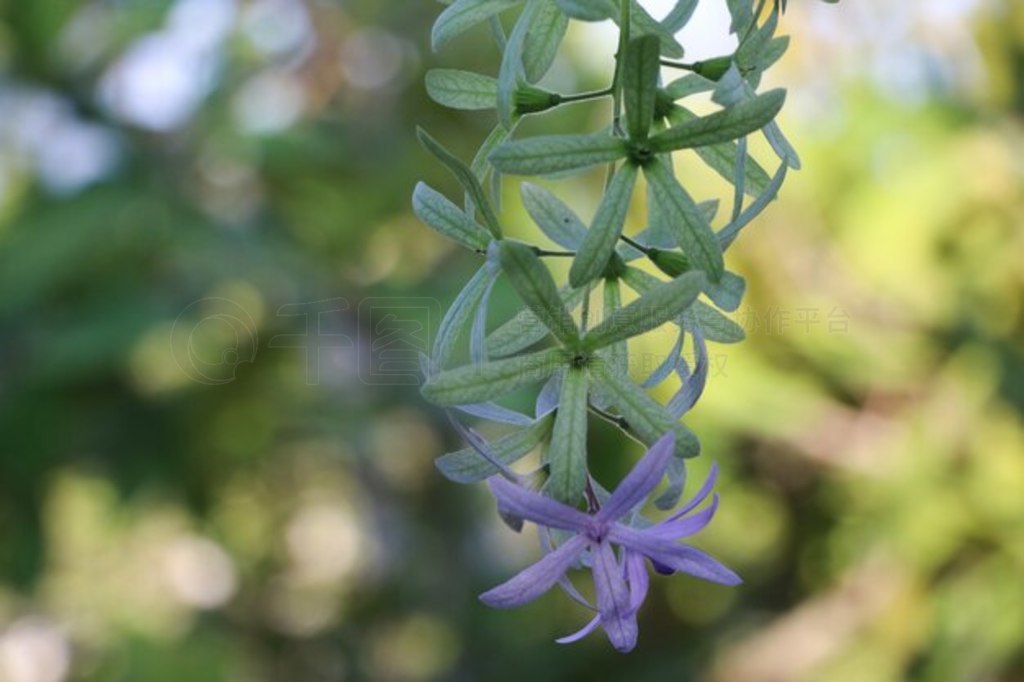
441, 215
599, 244
546, 34
732, 89
465, 177
642, 23
460, 315
645, 418
535, 286
587, 10
729, 233
640, 84
481, 166
722, 126
567, 454
462, 89
556, 220
677, 19
722, 157
690, 84
557, 153
616, 354
462, 15
511, 70
654, 308
468, 466
479, 383
689, 226
524, 329
716, 326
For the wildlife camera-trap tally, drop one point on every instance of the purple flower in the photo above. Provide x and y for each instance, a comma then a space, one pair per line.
620, 582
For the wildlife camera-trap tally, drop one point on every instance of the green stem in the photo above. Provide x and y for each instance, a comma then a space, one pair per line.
636, 245
625, 8
543, 253
608, 416
583, 96
680, 65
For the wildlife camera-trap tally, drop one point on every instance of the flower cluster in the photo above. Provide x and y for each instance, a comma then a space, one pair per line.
675, 265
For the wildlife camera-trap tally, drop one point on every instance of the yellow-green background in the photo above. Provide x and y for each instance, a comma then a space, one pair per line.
154, 527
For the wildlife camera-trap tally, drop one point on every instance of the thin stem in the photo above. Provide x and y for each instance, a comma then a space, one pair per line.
681, 65
608, 416
544, 253
625, 8
583, 96
620, 59
635, 244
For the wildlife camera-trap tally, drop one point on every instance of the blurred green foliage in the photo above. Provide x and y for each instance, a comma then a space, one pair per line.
181, 499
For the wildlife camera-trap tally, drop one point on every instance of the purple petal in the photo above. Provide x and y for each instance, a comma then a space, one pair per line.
526, 504
678, 528
701, 495
537, 579
563, 582
613, 599
639, 482
681, 558
636, 574
582, 632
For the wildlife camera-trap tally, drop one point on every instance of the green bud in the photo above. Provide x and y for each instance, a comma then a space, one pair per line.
713, 69
671, 263
533, 100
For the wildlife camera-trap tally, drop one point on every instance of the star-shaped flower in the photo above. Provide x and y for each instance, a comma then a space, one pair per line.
620, 582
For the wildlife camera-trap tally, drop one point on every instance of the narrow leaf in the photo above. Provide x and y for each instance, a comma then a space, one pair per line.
511, 70
556, 220
534, 284
654, 308
462, 15
587, 10
645, 418
457, 319
599, 244
441, 215
616, 354
689, 226
567, 454
722, 126
542, 42
462, 89
640, 84
729, 233
524, 329
556, 153
715, 326
480, 383
468, 466
465, 176
722, 158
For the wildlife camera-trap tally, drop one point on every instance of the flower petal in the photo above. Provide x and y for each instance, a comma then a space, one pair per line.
526, 504
581, 633
537, 579
705, 490
639, 580
681, 558
563, 582
613, 599
678, 528
639, 482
